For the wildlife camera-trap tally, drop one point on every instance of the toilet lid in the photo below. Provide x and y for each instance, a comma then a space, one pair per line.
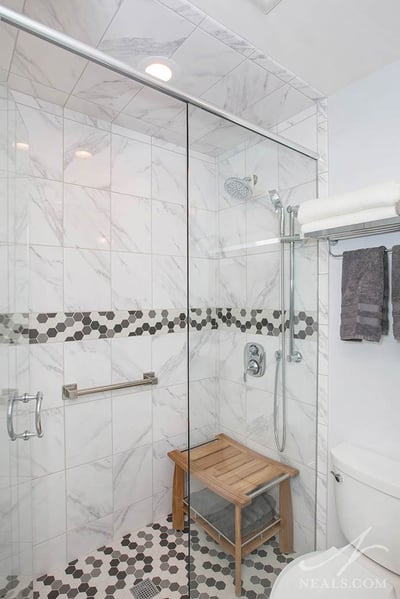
331, 574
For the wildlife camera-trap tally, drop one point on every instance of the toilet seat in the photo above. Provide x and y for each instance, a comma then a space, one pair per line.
336, 574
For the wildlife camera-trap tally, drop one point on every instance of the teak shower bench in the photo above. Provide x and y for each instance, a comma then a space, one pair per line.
237, 474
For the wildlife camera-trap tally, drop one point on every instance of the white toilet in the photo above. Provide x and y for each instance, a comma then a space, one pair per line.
367, 492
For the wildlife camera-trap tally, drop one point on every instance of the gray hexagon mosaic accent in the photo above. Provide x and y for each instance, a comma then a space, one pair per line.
158, 554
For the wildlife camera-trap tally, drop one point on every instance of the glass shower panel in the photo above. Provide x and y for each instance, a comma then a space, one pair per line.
16, 416
240, 186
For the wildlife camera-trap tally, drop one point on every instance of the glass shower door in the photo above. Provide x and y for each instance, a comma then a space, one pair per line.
18, 423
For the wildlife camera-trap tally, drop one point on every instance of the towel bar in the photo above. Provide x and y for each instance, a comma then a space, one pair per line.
72, 391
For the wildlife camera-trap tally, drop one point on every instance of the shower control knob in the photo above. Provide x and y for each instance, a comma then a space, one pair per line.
253, 367
253, 350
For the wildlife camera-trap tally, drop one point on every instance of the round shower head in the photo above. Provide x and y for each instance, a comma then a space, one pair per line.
240, 189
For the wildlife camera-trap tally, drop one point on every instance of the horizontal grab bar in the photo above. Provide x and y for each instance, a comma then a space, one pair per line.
72, 391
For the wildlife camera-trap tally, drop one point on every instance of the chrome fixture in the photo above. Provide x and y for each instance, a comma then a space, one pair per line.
241, 189
72, 391
338, 477
294, 355
24, 23
254, 360
25, 398
280, 364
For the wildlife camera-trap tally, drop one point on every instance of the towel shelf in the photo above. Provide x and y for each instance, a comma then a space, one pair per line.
377, 227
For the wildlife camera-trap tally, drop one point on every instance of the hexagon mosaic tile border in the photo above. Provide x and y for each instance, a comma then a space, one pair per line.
160, 554
75, 326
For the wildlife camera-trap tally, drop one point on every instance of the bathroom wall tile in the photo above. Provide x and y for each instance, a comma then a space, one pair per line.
48, 496
89, 493
48, 453
131, 357
323, 350
203, 282
301, 432
323, 405
93, 170
131, 280
155, 110
295, 168
259, 416
135, 24
46, 272
323, 292
301, 377
322, 448
48, 556
163, 467
168, 229
41, 202
130, 518
203, 187
262, 225
231, 347
130, 223
168, 176
135, 409
130, 167
303, 539
203, 348
169, 281
94, 440
87, 364
203, 236
227, 36
263, 271
306, 265
162, 503
233, 406
203, 403
169, 359
42, 132
86, 217
132, 473
82, 540
4, 291
86, 280
232, 231
232, 282
46, 372
170, 416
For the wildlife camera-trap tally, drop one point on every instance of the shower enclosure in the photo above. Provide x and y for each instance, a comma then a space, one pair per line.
133, 277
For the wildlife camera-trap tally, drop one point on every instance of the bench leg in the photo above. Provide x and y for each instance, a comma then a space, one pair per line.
286, 515
178, 514
238, 551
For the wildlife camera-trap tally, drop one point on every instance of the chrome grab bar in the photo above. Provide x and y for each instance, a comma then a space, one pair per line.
72, 391
25, 398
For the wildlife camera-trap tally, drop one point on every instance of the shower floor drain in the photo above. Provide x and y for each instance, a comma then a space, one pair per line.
145, 590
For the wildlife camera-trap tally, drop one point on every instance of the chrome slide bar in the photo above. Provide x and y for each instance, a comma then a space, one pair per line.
72, 391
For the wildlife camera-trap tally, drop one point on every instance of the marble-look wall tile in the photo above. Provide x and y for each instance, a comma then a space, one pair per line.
169, 412
263, 272
203, 282
295, 168
131, 280
168, 176
130, 223
130, 518
86, 280
301, 432
91, 169
203, 348
86, 217
92, 441
232, 282
39, 203
168, 229
89, 493
323, 391
132, 476
136, 409
202, 183
43, 133
301, 377
232, 231
169, 281
94, 534
88, 364
203, 403
232, 412
131, 357
231, 346
169, 360
323, 350
130, 167
323, 295
46, 372
49, 555
48, 497
203, 236
46, 272
48, 453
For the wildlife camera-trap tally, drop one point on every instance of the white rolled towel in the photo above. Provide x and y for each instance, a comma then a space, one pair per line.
363, 216
367, 198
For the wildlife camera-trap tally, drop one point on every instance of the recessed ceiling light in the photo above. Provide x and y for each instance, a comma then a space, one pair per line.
83, 154
22, 145
159, 70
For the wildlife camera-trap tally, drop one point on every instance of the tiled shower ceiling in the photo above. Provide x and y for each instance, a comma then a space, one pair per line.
211, 62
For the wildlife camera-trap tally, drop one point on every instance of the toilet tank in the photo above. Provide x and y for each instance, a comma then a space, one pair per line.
367, 492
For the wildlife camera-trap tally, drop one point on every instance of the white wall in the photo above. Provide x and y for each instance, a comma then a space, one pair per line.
364, 379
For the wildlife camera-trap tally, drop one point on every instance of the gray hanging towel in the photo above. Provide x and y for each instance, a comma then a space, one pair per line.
365, 295
396, 291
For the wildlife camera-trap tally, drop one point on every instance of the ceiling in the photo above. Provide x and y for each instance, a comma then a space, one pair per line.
211, 62
329, 43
